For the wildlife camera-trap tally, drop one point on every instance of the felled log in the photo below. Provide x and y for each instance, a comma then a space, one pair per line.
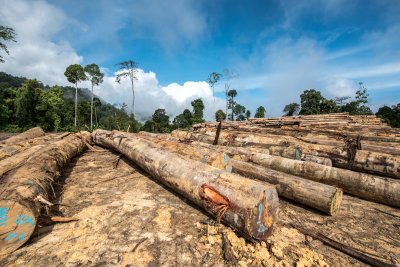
29, 134
25, 188
8, 150
349, 157
366, 186
282, 150
309, 193
247, 205
16, 160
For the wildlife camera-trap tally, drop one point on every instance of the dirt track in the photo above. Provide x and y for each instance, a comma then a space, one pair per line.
128, 219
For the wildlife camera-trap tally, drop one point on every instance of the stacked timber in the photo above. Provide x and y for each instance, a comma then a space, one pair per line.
364, 151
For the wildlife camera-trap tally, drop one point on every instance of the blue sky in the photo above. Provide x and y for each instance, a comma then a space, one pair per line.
279, 48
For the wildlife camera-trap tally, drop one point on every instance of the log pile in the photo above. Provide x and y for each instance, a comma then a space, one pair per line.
235, 175
364, 152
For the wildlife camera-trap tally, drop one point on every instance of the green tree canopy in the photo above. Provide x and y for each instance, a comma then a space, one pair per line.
390, 115
198, 109
220, 115
358, 105
291, 109
75, 74
95, 77
184, 120
260, 112
231, 103
239, 112
129, 69
6, 34
213, 78
248, 114
311, 101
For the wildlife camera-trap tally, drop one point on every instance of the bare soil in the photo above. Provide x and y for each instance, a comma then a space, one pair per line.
126, 218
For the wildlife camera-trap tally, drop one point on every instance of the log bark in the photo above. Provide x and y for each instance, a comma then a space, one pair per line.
247, 205
348, 158
16, 160
29, 134
26, 187
319, 196
366, 186
8, 150
282, 150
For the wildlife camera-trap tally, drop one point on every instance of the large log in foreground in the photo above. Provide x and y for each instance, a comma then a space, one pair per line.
29, 134
316, 195
247, 205
25, 188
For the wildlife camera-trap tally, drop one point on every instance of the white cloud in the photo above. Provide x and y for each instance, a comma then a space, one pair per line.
149, 95
35, 55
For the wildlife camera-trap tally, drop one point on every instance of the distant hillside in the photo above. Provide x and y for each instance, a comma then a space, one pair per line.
84, 94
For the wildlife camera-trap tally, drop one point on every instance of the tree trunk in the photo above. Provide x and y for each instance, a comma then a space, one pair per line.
247, 205
27, 135
370, 187
91, 111
25, 188
133, 95
76, 102
323, 197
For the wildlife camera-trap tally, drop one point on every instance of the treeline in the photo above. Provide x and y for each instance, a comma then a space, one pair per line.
312, 102
26, 103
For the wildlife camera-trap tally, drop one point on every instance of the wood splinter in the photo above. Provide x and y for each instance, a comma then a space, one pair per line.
218, 203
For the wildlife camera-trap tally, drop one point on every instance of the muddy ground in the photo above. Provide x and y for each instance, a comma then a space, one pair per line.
126, 218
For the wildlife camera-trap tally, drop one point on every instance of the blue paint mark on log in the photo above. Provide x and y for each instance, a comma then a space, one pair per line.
261, 228
11, 235
23, 219
3, 216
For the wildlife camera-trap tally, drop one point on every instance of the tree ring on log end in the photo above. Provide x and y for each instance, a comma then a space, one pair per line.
17, 223
336, 201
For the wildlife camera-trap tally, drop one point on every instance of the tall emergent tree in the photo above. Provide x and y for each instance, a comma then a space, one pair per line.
229, 75
232, 94
75, 73
213, 78
260, 112
129, 69
96, 77
6, 34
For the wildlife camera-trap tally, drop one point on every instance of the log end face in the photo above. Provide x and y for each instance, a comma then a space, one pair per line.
262, 218
17, 223
336, 201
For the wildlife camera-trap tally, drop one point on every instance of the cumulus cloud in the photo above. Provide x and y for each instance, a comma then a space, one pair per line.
35, 54
150, 95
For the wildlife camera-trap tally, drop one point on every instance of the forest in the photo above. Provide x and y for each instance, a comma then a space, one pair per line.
25, 103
